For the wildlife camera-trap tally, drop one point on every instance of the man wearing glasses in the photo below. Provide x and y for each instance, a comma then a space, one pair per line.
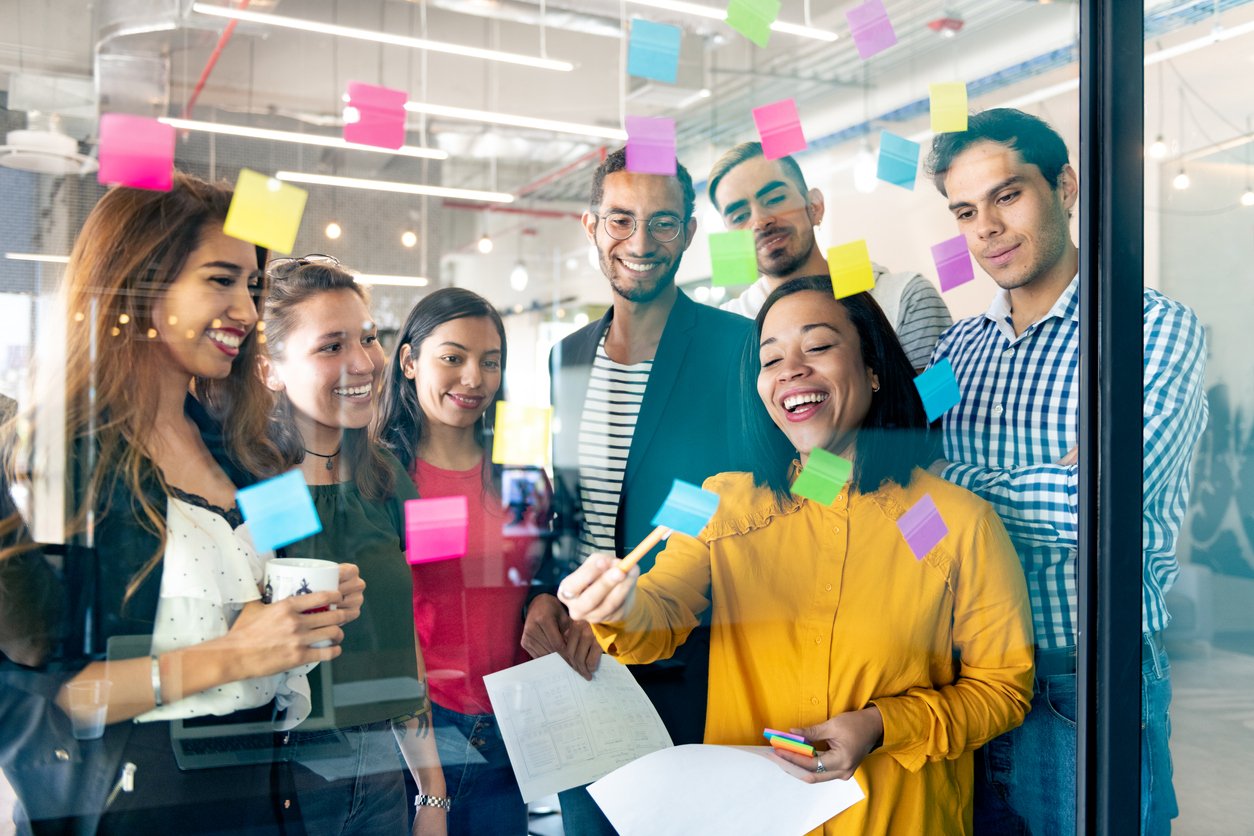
647, 395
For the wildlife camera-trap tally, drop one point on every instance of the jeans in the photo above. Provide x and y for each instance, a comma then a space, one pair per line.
358, 789
1158, 796
478, 774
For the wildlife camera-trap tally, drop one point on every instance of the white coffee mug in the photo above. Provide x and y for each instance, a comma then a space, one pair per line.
288, 576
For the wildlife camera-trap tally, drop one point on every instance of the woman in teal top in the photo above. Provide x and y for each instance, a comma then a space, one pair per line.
324, 363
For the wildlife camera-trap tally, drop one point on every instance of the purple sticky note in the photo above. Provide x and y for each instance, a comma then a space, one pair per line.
779, 126
375, 115
871, 29
922, 527
651, 145
953, 262
436, 529
136, 151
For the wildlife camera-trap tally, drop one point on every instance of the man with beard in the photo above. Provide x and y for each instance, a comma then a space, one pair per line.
647, 395
770, 198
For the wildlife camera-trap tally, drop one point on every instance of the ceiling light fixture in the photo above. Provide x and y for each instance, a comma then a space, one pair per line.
381, 37
518, 276
1247, 197
48, 259
485, 244
334, 230
1158, 148
392, 281
1181, 181
516, 121
386, 186
714, 13
299, 138
408, 238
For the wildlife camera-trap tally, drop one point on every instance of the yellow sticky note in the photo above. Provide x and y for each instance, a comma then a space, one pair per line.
522, 435
265, 211
949, 106
850, 266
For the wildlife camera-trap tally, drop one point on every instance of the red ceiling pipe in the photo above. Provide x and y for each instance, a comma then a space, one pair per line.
545, 179
556, 214
212, 62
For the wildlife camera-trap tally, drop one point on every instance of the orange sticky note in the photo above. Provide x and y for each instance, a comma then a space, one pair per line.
265, 211
522, 435
850, 267
949, 106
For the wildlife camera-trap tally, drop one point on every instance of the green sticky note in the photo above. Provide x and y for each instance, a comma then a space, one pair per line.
753, 18
265, 211
732, 258
850, 266
823, 476
948, 102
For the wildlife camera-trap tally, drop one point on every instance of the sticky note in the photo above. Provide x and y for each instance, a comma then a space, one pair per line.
922, 527
436, 528
521, 436
791, 746
870, 27
898, 160
136, 151
953, 262
753, 18
850, 268
278, 511
651, 145
769, 733
779, 128
949, 106
375, 115
687, 508
733, 259
653, 51
938, 388
823, 476
265, 211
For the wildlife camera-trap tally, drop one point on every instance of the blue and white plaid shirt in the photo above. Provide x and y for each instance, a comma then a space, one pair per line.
1019, 415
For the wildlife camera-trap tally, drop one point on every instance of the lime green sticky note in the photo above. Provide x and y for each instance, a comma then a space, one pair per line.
850, 266
521, 435
753, 18
949, 106
265, 211
732, 258
823, 476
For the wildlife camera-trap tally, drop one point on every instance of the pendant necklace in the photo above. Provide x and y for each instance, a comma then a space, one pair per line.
329, 457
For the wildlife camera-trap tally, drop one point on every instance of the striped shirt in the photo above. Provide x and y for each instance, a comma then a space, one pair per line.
615, 392
1019, 415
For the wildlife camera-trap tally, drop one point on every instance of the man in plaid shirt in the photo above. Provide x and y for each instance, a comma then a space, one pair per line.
1013, 440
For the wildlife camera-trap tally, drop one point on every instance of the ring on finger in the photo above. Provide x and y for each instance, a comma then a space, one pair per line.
819, 768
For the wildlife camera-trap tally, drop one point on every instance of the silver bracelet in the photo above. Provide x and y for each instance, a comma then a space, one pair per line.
423, 800
156, 681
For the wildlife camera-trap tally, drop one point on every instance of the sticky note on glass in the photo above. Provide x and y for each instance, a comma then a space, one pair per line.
278, 511
375, 115
265, 211
953, 262
870, 27
823, 476
922, 527
654, 50
651, 145
949, 106
436, 529
753, 18
136, 151
733, 259
521, 436
779, 127
938, 388
850, 267
898, 160
687, 508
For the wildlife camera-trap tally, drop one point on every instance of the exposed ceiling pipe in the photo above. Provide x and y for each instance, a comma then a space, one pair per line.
557, 15
543, 180
555, 214
212, 62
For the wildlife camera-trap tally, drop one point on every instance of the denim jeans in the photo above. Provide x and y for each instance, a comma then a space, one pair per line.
1158, 796
478, 774
359, 790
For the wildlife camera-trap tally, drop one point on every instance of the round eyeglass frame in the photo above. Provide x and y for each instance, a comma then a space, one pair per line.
277, 268
635, 224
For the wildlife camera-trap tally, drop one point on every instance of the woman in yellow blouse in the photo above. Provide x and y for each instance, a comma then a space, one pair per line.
824, 620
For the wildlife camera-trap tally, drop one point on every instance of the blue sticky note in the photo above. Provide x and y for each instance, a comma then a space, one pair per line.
279, 511
654, 50
687, 508
899, 160
939, 389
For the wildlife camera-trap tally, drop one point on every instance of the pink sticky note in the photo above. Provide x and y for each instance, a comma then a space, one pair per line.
136, 151
922, 527
436, 529
871, 29
651, 145
953, 262
375, 115
779, 126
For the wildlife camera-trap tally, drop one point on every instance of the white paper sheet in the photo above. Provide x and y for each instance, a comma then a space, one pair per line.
717, 789
562, 731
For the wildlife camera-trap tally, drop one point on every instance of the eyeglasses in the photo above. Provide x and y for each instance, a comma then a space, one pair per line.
664, 228
279, 268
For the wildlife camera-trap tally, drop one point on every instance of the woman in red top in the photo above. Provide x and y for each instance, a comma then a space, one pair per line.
438, 405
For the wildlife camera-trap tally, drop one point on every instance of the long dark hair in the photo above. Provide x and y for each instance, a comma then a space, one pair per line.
894, 437
400, 422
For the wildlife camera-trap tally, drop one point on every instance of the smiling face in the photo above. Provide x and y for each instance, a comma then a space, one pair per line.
456, 372
813, 380
758, 195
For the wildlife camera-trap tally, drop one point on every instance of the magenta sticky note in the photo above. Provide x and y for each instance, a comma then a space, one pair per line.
436, 529
953, 262
136, 151
375, 115
787, 735
651, 145
870, 27
922, 527
779, 127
